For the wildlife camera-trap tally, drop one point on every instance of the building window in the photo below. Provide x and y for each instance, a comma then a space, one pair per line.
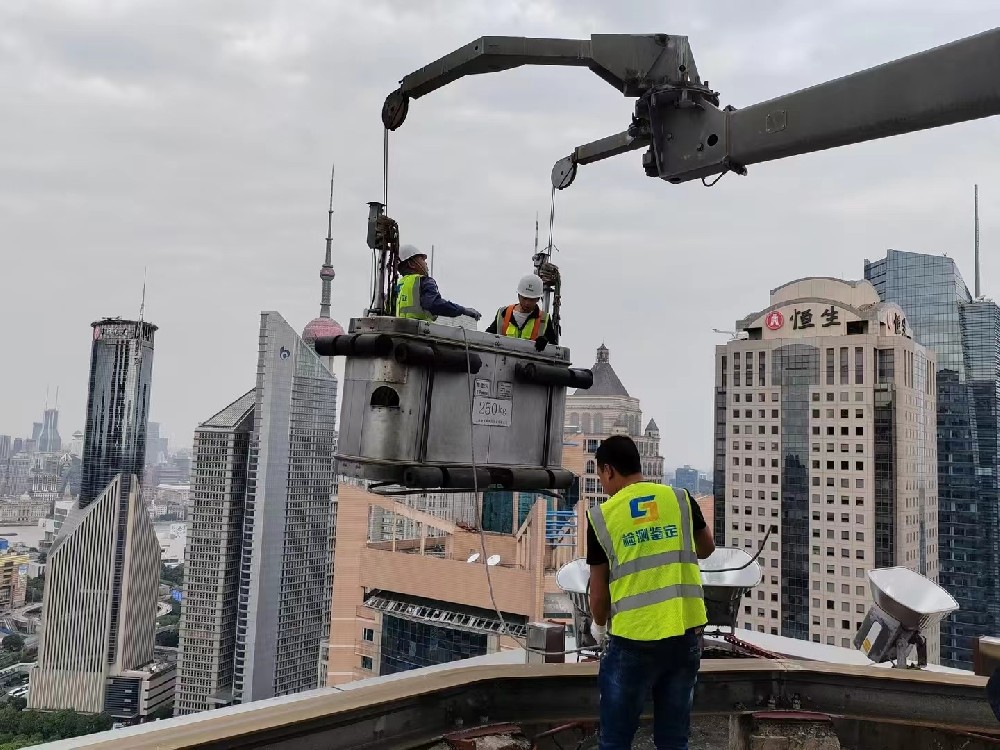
366, 663
829, 366
859, 365
845, 368
860, 554
368, 634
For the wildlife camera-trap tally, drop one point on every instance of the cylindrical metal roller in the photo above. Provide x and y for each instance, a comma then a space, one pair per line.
542, 374
354, 345
462, 477
442, 360
423, 476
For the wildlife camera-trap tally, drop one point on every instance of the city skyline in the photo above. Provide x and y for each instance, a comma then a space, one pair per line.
229, 225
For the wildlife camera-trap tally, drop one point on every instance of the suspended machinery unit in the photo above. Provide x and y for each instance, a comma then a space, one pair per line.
432, 406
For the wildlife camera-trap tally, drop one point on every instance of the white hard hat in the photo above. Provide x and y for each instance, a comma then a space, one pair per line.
409, 251
530, 286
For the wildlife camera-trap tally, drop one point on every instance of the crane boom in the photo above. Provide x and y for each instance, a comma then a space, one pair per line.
678, 120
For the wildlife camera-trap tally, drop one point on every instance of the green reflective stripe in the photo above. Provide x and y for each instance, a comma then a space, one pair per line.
657, 596
654, 561
600, 526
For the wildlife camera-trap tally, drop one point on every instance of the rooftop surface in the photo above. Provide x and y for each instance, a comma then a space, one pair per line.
861, 704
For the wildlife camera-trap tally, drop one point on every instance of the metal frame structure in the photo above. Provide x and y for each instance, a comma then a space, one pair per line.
677, 116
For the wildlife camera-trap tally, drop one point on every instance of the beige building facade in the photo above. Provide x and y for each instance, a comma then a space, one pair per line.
605, 409
413, 583
825, 434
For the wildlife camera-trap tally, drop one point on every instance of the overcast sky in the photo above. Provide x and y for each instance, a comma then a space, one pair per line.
195, 140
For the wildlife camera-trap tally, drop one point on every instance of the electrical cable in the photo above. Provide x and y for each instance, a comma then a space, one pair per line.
505, 630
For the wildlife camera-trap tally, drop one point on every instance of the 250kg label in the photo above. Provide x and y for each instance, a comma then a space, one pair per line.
493, 412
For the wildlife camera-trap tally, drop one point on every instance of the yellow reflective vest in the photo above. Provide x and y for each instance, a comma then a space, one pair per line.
533, 327
647, 533
408, 299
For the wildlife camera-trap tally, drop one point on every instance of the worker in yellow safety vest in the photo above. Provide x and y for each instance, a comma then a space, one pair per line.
526, 320
643, 547
417, 294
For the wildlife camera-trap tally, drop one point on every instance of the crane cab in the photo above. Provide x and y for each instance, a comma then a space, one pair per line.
419, 397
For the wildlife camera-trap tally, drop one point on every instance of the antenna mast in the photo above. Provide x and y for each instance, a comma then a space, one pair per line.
327, 272
977, 241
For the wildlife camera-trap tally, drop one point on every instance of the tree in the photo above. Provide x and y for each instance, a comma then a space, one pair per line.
168, 638
18, 704
13, 642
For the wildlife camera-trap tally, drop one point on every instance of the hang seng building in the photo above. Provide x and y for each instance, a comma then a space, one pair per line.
825, 434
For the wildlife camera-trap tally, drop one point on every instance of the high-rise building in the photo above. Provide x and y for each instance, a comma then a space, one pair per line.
213, 555
965, 334
687, 478
102, 578
286, 563
5, 447
121, 369
824, 435
605, 409
48, 439
82, 649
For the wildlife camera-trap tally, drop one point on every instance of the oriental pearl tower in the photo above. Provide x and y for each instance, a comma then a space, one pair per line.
324, 325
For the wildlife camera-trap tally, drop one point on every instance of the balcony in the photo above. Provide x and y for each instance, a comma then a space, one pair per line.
863, 706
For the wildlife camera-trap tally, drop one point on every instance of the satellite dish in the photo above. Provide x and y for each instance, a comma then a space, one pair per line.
574, 576
473, 557
906, 603
726, 577
493, 560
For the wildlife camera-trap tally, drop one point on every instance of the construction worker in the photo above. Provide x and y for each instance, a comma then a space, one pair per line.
643, 547
417, 294
526, 320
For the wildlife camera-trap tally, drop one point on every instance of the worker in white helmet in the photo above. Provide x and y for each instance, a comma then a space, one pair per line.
417, 294
526, 320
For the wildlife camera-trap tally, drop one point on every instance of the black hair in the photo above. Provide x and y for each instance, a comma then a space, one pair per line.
621, 454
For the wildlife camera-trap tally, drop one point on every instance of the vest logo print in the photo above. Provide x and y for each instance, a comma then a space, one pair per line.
643, 510
649, 534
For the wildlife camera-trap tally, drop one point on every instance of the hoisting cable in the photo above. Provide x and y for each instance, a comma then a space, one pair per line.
505, 630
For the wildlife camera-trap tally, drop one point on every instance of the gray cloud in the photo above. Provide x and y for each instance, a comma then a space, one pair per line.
195, 140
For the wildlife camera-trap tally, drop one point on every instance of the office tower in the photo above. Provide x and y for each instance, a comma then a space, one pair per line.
5, 447
101, 587
965, 334
36, 431
687, 478
214, 545
605, 409
825, 424
285, 565
48, 439
82, 649
156, 446
121, 368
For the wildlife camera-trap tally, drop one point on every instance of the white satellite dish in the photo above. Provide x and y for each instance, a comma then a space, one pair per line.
574, 576
493, 560
473, 557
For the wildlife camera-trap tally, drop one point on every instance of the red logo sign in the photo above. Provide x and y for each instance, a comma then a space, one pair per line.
774, 320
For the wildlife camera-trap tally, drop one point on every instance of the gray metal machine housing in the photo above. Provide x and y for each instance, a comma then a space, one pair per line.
412, 423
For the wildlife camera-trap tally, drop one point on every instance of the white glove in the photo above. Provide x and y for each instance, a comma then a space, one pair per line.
599, 632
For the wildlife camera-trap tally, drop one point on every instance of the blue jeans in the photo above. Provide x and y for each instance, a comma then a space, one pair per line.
630, 671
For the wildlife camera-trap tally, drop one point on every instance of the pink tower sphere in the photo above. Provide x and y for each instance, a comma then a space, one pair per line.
321, 327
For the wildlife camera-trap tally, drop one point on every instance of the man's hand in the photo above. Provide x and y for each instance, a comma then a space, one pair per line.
472, 313
540, 343
599, 632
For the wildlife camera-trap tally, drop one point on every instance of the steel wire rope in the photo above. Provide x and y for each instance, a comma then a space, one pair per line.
505, 630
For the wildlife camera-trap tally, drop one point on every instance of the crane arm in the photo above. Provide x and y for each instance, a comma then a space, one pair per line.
678, 120
956, 82
630, 63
